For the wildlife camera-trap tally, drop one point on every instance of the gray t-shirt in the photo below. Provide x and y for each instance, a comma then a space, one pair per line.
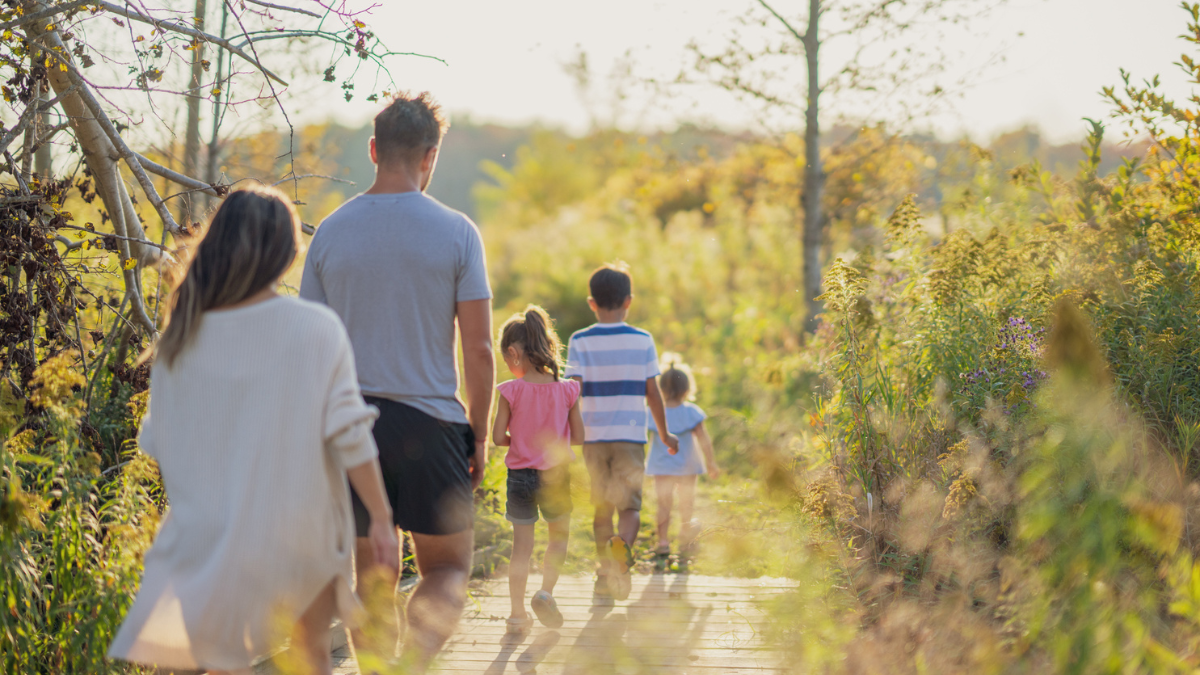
393, 266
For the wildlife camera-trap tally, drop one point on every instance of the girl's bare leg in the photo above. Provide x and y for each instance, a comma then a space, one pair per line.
664, 487
556, 553
687, 500
518, 567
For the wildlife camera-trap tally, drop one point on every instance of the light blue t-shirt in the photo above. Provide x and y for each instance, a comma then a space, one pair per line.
681, 421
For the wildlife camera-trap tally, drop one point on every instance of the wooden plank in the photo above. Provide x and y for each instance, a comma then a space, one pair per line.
670, 624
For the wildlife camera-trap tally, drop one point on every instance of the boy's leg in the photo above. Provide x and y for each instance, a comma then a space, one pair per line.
687, 500
629, 521
664, 487
602, 531
597, 458
629, 472
518, 567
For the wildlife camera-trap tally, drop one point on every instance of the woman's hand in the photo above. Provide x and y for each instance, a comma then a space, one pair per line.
384, 544
713, 471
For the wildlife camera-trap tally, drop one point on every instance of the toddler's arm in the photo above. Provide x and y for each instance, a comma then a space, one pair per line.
706, 446
658, 410
500, 435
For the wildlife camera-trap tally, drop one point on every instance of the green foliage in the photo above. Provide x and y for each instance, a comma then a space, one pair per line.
71, 537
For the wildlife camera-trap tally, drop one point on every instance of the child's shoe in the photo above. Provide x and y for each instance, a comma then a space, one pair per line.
620, 581
662, 558
518, 626
546, 609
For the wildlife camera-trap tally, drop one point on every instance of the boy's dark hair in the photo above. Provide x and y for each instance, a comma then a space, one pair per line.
610, 284
408, 127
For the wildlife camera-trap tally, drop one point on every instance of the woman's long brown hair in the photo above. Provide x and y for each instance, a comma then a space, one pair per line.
253, 239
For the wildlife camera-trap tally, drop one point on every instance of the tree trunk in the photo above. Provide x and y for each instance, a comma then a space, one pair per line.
214, 149
42, 161
191, 144
814, 176
102, 159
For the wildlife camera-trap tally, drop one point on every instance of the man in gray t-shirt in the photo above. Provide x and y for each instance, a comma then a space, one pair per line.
402, 271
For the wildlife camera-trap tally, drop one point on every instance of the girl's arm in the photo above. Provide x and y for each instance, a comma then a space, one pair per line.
575, 418
500, 435
706, 446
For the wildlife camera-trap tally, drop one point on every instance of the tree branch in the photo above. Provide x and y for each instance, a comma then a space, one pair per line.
176, 177
785, 23
44, 14
19, 127
130, 157
193, 33
297, 10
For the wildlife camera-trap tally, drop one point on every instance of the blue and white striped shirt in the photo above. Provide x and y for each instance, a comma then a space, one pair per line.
614, 360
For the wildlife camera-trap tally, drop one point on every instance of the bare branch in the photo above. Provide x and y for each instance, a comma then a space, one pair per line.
105, 234
71, 245
297, 10
174, 176
315, 175
785, 23
130, 157
263, 36
191, 32
19, 127
44, 14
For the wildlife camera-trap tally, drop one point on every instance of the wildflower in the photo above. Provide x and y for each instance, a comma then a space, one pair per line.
55, 380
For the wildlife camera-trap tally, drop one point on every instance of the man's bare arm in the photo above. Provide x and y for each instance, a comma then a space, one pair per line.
479, 370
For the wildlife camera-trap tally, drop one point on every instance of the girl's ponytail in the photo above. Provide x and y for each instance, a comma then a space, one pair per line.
676, 381
534, 332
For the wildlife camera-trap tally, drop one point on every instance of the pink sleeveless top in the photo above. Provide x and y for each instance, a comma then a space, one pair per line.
539, 428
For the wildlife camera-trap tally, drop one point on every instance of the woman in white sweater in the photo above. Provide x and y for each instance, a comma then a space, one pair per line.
256, 421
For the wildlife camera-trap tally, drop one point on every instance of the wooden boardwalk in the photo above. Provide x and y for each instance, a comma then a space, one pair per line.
671, 623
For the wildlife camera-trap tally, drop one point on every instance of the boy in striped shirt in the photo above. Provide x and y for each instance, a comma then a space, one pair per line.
616, 365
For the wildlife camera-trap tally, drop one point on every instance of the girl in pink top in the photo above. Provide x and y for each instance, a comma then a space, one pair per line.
538, 420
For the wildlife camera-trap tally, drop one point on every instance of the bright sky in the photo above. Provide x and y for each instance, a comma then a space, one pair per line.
504, 60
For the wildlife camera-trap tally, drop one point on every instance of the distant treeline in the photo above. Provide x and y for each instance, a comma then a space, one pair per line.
470, 143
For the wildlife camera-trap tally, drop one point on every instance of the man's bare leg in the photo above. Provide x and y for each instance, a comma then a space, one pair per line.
434, 608
376, 585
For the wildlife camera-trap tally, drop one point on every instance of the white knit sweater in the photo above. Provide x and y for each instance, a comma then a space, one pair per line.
253, 429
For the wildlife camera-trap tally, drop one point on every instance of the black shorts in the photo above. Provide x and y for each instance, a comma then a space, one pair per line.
531, 490
426, 471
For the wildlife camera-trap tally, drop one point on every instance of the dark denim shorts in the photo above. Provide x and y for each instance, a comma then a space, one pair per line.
531, 490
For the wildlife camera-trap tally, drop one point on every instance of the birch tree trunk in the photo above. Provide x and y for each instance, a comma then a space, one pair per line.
102, 159
189, 201
814, 175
